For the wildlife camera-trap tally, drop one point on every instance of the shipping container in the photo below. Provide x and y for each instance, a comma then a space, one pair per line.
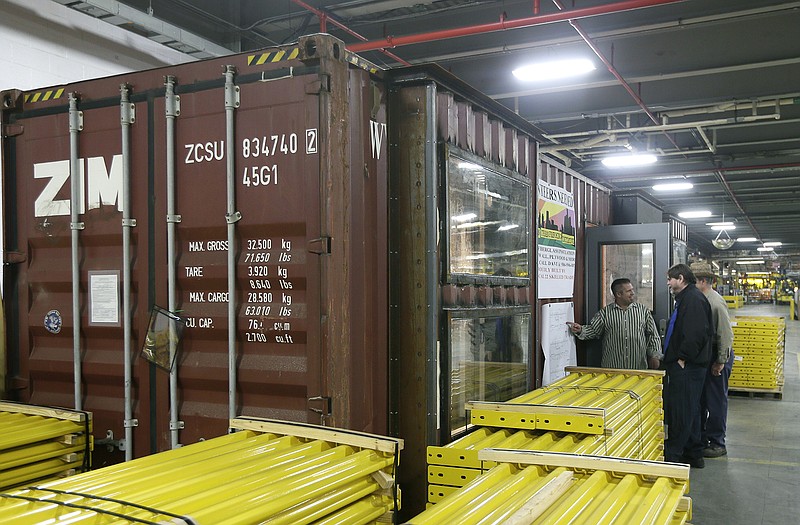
240, 204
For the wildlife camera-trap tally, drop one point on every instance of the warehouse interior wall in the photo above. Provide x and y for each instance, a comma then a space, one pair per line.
46, 44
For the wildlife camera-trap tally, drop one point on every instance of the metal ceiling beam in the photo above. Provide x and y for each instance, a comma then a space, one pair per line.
653, 78
122, 13
666, 127
503, 24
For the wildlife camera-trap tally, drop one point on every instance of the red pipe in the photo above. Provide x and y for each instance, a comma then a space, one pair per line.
609, 65
324, 18
506, 24
638, 99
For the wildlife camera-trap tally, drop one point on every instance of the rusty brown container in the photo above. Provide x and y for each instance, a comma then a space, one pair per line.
462, 181
279, 203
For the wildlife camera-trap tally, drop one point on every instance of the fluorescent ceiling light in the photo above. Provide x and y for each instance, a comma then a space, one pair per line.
726, 223
554, 69
673, 186
757, 261
694, 214
720, 227
765, 248
778, 243
507, 227
629, 161
746, 239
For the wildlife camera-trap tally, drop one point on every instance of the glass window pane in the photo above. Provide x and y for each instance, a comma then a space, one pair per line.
488, 220
630, 261
488, 361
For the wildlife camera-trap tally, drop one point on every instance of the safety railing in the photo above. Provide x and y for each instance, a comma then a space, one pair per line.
265, 472
42, 442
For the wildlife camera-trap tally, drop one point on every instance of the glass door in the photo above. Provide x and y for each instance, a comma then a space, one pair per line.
639, 252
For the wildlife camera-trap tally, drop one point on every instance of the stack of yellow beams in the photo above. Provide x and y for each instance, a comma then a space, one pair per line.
758, 343
734, 301
267, 472
42, 442
590, 411
543, 488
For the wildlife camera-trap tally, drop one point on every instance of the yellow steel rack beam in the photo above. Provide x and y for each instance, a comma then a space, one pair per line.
267, 472
42, 442
544, 488
624, 408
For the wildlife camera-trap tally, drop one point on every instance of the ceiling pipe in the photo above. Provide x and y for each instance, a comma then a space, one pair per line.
749, 170
504, 24
586, 144
324, 18
711, 147
666, 127
731, 106
589, 42
609, 65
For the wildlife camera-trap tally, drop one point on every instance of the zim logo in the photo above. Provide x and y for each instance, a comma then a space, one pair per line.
97, 184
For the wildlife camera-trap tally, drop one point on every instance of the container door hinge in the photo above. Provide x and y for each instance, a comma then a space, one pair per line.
323, 406
12, 130
321, 85
14, 257
320, 246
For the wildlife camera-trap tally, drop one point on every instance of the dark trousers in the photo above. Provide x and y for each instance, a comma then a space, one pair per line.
682, 393
714, 406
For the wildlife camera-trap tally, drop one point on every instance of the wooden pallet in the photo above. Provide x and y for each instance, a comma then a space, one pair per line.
740, 391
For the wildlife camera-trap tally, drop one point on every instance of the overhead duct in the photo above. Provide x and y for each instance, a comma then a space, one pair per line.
159, 31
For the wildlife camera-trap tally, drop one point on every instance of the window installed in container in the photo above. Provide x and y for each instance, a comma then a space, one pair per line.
488, 355
488, 218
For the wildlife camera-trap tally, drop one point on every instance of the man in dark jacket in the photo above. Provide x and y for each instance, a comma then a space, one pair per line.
687, 352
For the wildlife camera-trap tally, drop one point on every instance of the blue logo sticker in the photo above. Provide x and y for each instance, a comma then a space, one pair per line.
52, 321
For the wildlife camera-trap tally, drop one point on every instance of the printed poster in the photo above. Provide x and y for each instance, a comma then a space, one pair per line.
558, 344
555, 229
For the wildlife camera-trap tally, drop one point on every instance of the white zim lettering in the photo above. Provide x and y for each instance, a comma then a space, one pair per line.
104, 186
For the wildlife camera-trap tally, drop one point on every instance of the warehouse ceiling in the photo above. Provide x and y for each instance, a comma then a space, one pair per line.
712, 87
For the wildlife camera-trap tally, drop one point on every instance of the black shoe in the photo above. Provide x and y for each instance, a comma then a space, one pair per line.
714, 451
695, 462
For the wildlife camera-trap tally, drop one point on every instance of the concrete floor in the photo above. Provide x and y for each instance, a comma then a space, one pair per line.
758, 482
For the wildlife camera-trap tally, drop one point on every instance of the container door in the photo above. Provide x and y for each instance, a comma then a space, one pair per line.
278, 248
639, 252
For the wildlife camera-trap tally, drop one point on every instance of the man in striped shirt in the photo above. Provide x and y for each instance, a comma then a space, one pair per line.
627, 329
